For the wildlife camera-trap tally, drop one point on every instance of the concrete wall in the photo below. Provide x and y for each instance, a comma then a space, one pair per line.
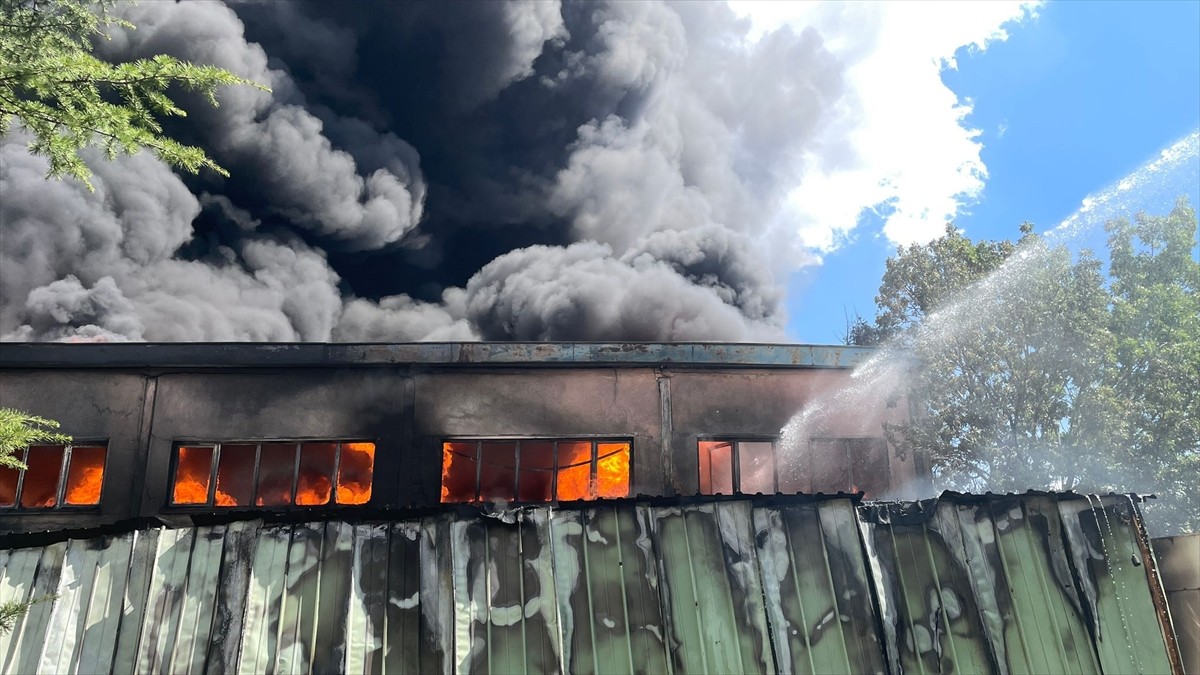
408, 410
1179, 566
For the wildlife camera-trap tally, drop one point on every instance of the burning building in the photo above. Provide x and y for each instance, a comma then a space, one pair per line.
528, 507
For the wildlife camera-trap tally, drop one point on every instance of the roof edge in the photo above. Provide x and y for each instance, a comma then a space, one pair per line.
323, 354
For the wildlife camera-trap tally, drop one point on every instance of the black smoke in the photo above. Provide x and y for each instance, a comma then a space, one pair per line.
493, 170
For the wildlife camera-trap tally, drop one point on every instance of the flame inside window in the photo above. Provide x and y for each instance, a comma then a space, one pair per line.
274, 474
314, 486
574, 470
356, 466
534, 470
85, 475
235, 475
55, 476
192, 470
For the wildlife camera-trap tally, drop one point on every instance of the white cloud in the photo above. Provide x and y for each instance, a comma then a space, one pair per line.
903, 147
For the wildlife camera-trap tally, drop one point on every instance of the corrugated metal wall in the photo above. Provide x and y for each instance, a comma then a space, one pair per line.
1031, 584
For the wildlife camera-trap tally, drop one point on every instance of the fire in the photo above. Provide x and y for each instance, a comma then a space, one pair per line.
575, 470
313, 490
190, 491
574, 478
356, 467
458, 472
85, 476
612, 470
192, 470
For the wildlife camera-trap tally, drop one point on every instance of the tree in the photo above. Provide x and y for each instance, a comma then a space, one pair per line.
1032, 369
1156, 326
67, 99
18, 431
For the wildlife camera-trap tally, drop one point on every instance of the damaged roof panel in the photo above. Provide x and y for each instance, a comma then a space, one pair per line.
793, 585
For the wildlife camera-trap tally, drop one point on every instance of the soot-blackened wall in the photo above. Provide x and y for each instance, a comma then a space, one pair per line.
409, 409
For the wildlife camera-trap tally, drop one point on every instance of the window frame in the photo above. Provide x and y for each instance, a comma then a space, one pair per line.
594, 439
845, 442
215, 463
735, 458
63, 471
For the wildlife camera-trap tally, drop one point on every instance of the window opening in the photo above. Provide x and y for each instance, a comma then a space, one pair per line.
729, 466
56, 476
300, 473
850, 464
534, 470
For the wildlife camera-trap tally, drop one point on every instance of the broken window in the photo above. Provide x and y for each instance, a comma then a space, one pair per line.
729, 466
534, 470
851, 465
279, 473
55, 476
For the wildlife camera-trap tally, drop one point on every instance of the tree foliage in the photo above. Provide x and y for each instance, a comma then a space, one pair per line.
1033, 369
19, 430
67, 99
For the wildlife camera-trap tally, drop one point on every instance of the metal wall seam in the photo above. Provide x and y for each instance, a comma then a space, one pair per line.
1007, 584
1110, 562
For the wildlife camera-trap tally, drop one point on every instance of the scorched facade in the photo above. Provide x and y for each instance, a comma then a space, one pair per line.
172, 430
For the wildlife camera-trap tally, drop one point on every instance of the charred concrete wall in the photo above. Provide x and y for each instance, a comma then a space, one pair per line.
408, 409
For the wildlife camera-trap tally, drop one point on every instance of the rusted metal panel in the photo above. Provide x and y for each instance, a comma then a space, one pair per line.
1034, 583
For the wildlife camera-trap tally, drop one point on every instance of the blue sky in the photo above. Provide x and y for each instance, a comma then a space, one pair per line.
1074, 100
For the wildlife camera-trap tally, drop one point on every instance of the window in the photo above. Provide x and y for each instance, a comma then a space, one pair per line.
730, 466
850, 464
276, 473
534, 470
58, 476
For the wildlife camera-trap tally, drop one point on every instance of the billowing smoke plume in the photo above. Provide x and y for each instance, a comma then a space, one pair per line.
498, 170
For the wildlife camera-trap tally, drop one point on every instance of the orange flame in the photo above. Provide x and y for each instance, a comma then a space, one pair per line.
190, 491
574, 477
85, 476
575, 470
191, 475
356, 468
313, 490
458, 472
612, 470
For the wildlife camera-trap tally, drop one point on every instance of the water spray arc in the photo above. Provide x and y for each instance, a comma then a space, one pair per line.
981, 309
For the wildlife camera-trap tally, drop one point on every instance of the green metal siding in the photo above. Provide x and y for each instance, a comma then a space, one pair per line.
1029, 584
793, 585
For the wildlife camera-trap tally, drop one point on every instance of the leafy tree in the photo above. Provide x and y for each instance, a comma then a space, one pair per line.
1156, 326
52, 85
1030, 368
17, 432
